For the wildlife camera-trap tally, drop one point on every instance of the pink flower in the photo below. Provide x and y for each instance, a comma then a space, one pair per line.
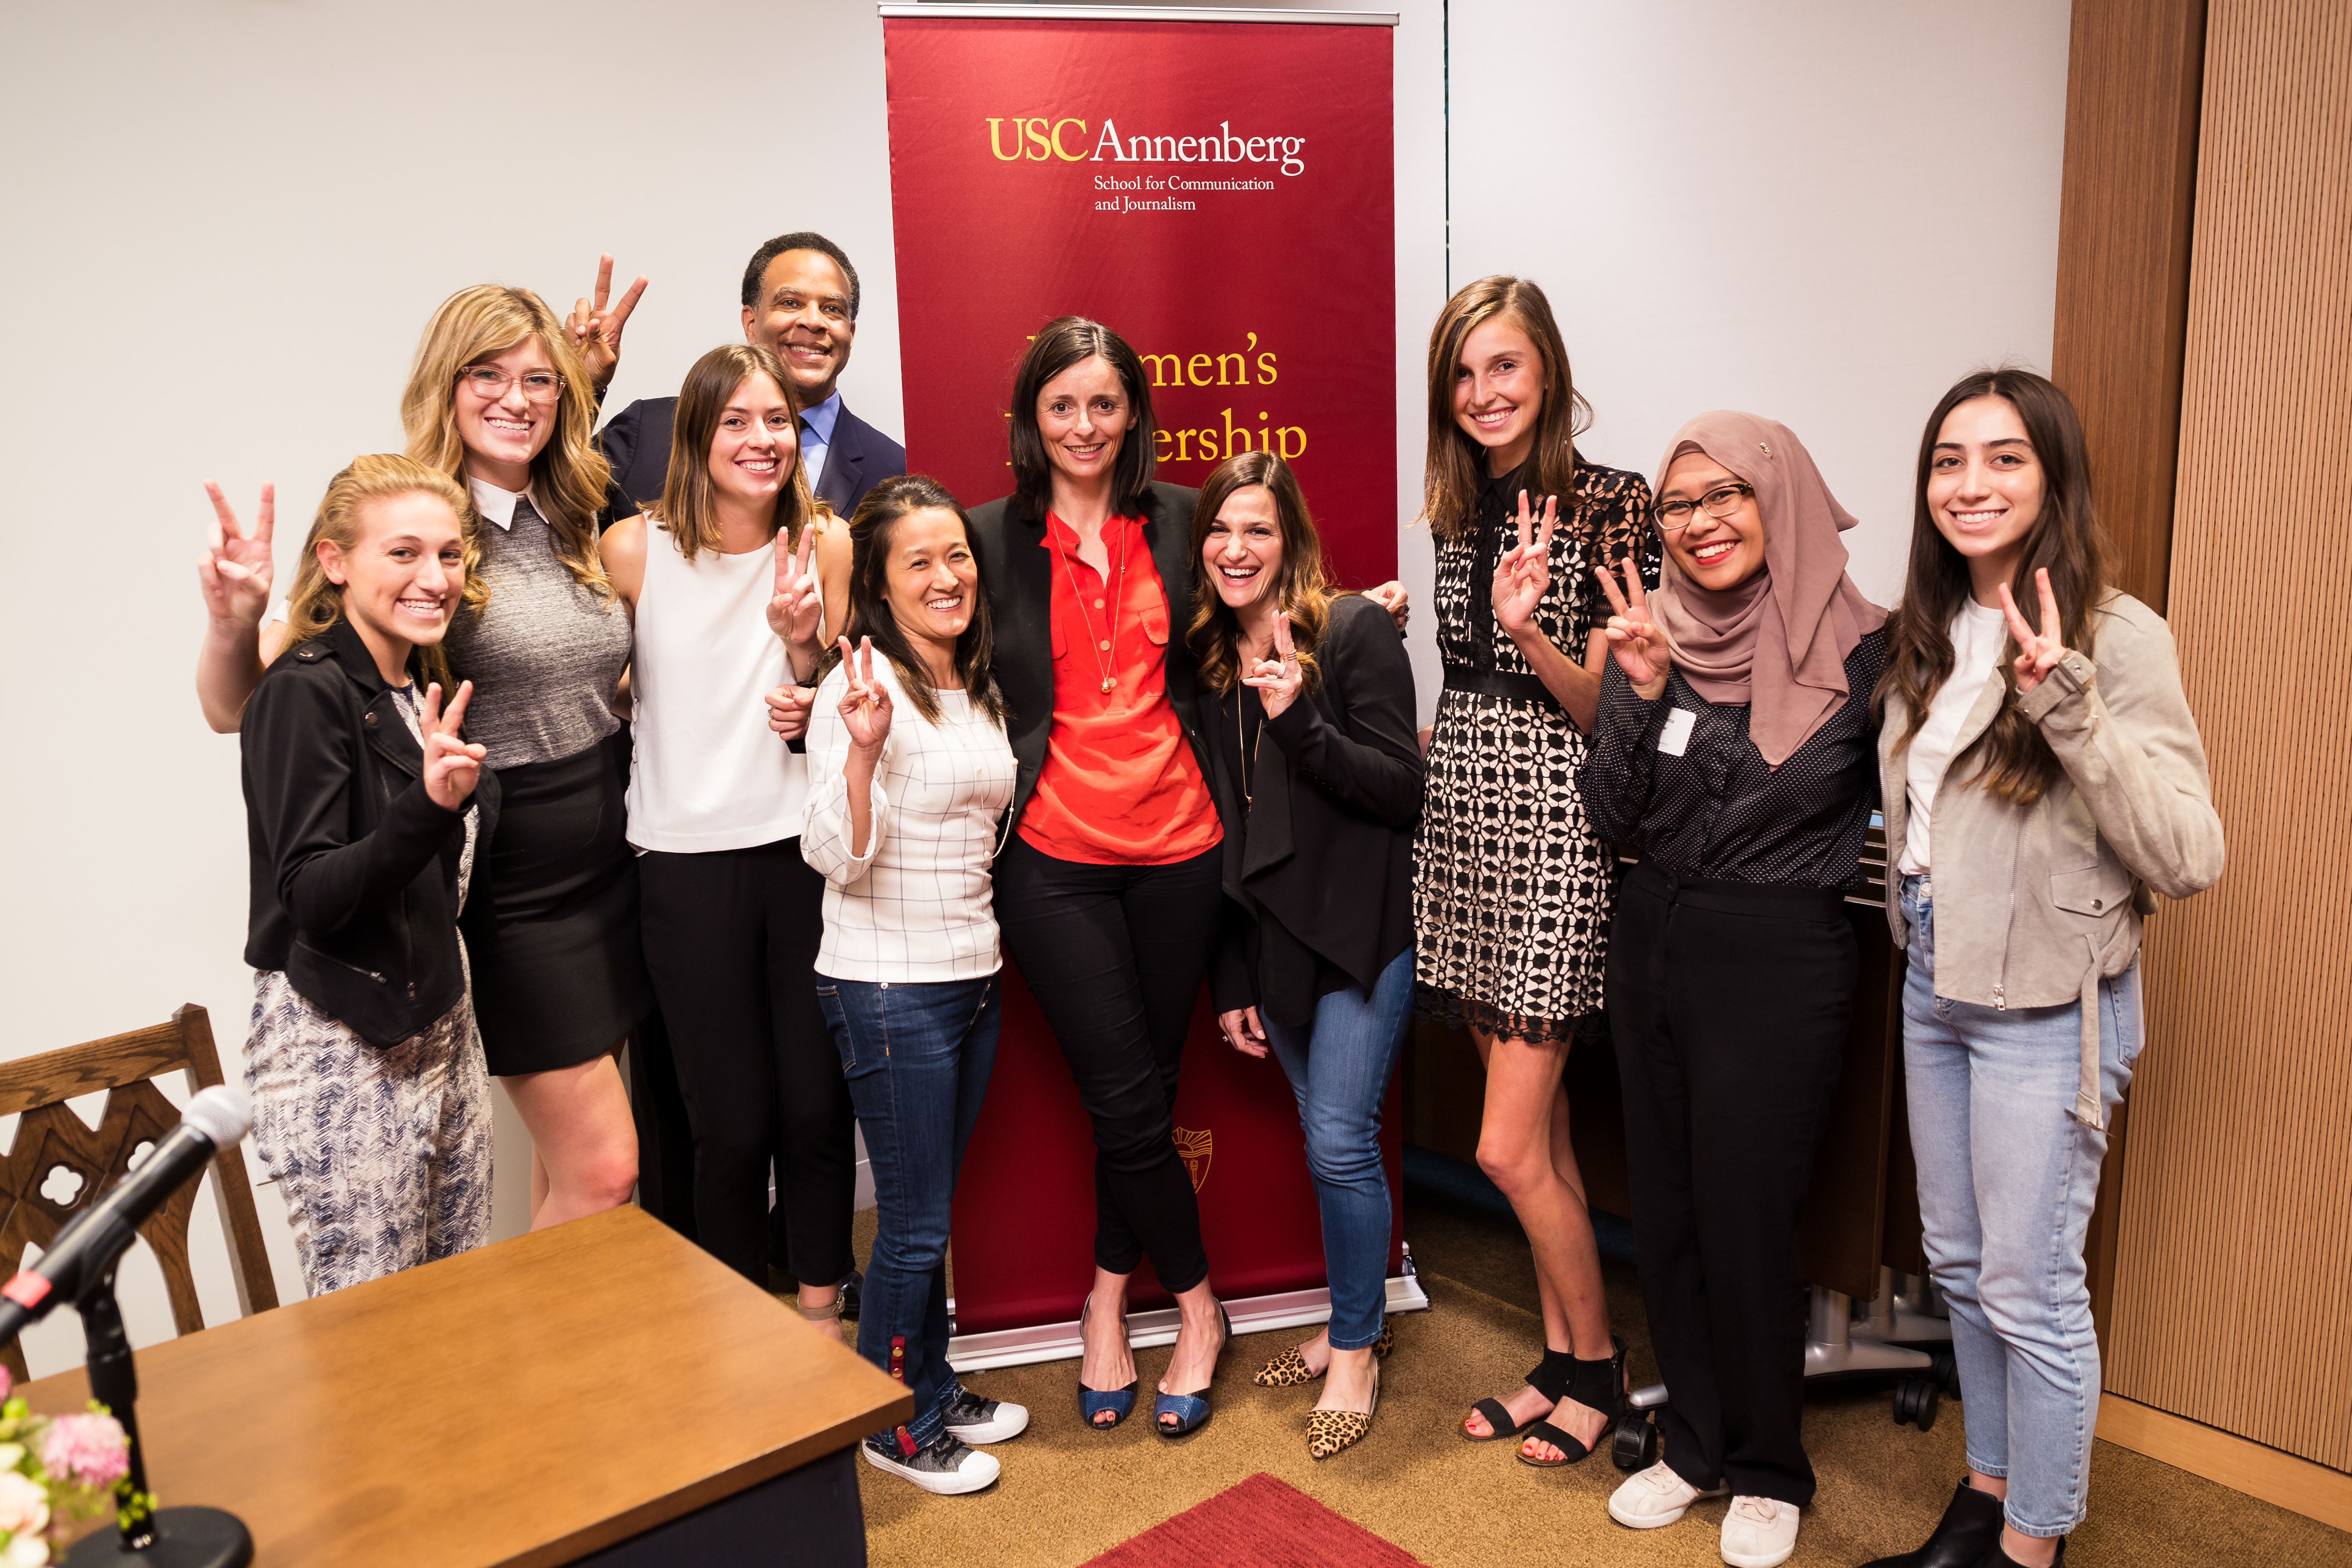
7, 1382
89, 1450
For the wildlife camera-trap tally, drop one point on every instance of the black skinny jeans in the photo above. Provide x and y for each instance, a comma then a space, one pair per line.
1729, 1005
731, 938
1116, 956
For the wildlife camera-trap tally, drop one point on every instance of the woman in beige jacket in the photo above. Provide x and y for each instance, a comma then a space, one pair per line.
2043, 777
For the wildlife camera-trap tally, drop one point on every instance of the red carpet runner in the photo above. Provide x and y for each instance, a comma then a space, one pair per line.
1261, 1523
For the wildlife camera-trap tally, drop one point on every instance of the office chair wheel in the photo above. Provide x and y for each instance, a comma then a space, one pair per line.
1946, 1370
1633, 1444
1915, 1399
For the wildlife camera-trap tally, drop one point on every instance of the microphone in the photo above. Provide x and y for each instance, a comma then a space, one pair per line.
92, 1240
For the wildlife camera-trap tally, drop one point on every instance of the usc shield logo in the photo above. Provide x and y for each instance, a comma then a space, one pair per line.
1194, 1148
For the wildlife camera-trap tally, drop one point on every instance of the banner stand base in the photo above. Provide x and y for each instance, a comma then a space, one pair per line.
1250, 1315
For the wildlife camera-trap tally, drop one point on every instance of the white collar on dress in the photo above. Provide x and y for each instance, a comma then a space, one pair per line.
496, 504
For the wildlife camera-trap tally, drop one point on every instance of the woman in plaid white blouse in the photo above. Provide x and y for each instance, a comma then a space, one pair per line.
901, 823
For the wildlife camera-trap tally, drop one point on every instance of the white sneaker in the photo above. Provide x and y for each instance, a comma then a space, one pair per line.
945, 1465
1655, 1497
1758, 1532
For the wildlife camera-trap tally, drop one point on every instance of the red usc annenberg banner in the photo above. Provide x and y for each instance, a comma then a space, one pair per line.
1221, 193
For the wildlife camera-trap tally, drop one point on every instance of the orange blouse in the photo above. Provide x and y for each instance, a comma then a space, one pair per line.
1120, 785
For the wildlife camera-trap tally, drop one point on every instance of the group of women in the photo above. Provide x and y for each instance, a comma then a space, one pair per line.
1129, 735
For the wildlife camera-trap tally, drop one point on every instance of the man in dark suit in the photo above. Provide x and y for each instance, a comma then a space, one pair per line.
800, 300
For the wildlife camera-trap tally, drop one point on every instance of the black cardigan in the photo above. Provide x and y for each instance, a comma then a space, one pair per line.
1018, 571
354, 869
1327, 853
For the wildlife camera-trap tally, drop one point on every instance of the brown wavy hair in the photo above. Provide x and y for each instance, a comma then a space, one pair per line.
316, 602
569, 475
871, 526
686, 507
1064, 341
1456, 466
2010, 758
1302, 592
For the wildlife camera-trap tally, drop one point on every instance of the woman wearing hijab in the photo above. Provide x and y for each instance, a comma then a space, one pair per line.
1735, 750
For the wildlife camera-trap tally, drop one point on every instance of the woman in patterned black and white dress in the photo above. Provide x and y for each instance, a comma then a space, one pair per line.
1511, 889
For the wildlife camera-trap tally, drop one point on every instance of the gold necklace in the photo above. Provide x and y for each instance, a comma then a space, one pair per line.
1104, 653
1242, 736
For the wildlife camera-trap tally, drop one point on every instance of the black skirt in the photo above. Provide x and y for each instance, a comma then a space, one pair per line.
562, 976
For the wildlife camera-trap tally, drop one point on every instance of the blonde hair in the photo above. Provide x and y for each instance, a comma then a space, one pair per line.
569, 475
317, 602
686, 507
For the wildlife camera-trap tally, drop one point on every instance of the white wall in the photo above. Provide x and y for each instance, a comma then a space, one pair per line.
226, 221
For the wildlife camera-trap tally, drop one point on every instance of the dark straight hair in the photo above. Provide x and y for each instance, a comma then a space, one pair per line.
1064, 342
871, 527
686, 508
1456, 465
2011, 758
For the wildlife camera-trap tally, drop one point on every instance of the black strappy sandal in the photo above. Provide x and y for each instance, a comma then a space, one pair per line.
1595, 1384
1549, 1379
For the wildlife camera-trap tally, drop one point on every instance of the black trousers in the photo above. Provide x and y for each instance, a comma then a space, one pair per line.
731, 938
1116, 956
1729, 1005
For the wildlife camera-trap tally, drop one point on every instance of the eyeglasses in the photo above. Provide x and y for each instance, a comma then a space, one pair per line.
538, 385
1674, 516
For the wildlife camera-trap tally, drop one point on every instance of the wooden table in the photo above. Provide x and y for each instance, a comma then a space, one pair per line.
536, 1402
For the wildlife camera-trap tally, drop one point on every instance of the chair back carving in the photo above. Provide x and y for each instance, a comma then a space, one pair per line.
58, 1162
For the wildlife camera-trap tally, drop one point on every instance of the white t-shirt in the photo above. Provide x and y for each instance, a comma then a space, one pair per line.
1976, 636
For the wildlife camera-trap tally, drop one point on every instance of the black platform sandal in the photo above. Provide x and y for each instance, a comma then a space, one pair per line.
1595, 1384
1549, 1379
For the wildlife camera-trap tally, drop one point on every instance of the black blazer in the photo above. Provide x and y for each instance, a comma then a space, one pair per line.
1335, 784
636, 443
1019, 572
354, 870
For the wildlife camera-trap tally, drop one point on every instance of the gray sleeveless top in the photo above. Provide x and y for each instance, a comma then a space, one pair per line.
544, 655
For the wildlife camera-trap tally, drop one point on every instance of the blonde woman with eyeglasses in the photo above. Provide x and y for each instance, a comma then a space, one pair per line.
499, 401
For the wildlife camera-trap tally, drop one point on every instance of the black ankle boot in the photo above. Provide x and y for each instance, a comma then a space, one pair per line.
1997, 1558
1969, 1528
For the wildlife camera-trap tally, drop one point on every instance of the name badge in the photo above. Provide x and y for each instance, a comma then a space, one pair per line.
1676, 736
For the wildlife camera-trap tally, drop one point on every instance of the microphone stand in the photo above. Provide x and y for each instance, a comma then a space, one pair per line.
165, 1537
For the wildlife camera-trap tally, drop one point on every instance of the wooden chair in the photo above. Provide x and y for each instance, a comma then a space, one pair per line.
56, 1152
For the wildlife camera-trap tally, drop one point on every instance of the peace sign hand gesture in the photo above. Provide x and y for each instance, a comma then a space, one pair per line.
866, 706
595, 328
452, 768
1278, 679
1523, 575
234, 570
798, 603
1635, 639
2036, 652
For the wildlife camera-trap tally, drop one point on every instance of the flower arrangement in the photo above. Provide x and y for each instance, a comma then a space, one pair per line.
55, 1471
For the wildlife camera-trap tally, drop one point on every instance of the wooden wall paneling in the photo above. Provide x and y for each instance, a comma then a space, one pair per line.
2232, 1303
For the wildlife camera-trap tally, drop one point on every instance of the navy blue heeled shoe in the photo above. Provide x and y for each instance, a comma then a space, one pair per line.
1191, 1410
1093, 1402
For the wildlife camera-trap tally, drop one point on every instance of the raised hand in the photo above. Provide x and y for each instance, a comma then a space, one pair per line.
1278, 679
1391, 597
452, 768
1635, 639
235, 571
866, 706
595, 326
1523, 575
2037, 650
789, 707
1243, 1031
798, 603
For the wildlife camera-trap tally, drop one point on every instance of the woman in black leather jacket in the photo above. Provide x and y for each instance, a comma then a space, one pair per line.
364, 812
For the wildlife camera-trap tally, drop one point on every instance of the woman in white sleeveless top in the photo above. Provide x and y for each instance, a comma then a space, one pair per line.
726, 611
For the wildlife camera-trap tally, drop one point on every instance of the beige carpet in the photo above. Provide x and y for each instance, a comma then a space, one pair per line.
1069, 1493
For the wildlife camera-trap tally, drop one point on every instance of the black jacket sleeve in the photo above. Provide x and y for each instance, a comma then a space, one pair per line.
618, 440
1369, 676
301, 764
1620, 761
1230, 986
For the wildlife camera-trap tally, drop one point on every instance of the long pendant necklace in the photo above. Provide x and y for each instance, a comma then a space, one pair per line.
1103, 654
1242, 735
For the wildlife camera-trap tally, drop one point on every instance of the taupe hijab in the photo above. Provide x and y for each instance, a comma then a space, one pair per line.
1779, 641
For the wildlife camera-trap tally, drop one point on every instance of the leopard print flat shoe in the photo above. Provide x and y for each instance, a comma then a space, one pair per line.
1289, 1369
1329, 1431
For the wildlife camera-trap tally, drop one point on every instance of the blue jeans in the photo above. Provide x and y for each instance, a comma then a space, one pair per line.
1338, 1069
917, 1059
2006, 1178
